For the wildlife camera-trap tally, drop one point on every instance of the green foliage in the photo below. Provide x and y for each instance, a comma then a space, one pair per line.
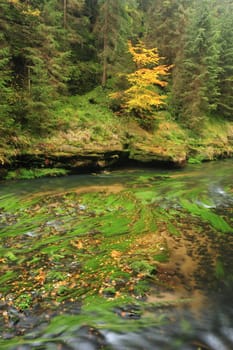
11, 256
44, 57
23, 301
197, 69
6, 94
166, 17
9, 276
84, 77
225, 104
113, 27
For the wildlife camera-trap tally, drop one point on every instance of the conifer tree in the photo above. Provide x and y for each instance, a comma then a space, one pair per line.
6, 92
225, 100
164, 25
113, 28
196, 73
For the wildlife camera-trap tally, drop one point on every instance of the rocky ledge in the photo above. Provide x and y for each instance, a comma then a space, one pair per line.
81, 151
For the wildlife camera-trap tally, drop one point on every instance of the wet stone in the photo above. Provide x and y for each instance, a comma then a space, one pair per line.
23, 347
7, 336
56, 346
109, 294
128, 312
85, 338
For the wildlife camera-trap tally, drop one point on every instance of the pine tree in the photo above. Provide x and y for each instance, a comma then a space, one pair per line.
196, 73
84, 69
37, 61
113, 28
225, 101
6, 92
164, 26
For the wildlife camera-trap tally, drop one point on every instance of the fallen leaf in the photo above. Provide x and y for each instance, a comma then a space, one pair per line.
40, 277
78, 244
115, 254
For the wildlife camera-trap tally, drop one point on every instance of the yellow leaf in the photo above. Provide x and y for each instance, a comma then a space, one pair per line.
142, 96
40, 277
115, 254
78, 244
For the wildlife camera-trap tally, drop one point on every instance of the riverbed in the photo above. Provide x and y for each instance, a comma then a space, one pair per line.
129, 259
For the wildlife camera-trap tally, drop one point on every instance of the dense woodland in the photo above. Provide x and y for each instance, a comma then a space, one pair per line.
53, 49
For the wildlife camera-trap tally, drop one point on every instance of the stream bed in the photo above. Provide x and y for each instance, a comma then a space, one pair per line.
129, 259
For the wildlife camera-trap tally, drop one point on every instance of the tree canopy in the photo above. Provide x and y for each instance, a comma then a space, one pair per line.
56, 48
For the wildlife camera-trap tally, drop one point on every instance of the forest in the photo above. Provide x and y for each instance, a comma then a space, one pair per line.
133, 101
72, 65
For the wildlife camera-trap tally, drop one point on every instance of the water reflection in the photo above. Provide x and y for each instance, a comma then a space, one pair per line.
211, 177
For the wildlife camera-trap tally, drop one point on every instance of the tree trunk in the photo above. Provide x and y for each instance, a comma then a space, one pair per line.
104, 75
64, 12
29, 80
105, 46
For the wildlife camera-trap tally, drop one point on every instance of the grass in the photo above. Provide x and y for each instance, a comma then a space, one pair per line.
90, 113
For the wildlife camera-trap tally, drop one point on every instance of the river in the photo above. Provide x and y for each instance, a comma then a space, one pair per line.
129, 259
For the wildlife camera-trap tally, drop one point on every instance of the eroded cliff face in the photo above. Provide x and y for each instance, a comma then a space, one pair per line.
82, 150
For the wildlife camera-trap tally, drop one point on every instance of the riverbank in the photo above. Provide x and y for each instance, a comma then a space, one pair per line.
90, 137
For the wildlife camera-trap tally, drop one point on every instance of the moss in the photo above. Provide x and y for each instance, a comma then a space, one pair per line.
195, 160
27, 174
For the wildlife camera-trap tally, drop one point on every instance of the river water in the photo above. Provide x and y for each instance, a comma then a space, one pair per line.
189, 301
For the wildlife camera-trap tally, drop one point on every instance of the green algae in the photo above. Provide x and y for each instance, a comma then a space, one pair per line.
219, 269
45, 243
142, 267
99, 248
9, 276
215, 220
95, 232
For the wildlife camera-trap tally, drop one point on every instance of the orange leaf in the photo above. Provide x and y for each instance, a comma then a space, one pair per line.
78, 244
115, 254
40, 277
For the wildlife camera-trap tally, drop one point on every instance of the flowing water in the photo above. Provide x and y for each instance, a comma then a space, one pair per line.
131, 259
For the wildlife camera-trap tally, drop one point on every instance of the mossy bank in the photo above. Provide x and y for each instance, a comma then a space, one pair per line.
89, 137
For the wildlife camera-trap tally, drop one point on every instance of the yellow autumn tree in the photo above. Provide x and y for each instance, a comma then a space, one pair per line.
143, 94
25, 8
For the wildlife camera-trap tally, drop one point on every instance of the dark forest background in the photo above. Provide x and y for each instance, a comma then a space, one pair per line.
53, 49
